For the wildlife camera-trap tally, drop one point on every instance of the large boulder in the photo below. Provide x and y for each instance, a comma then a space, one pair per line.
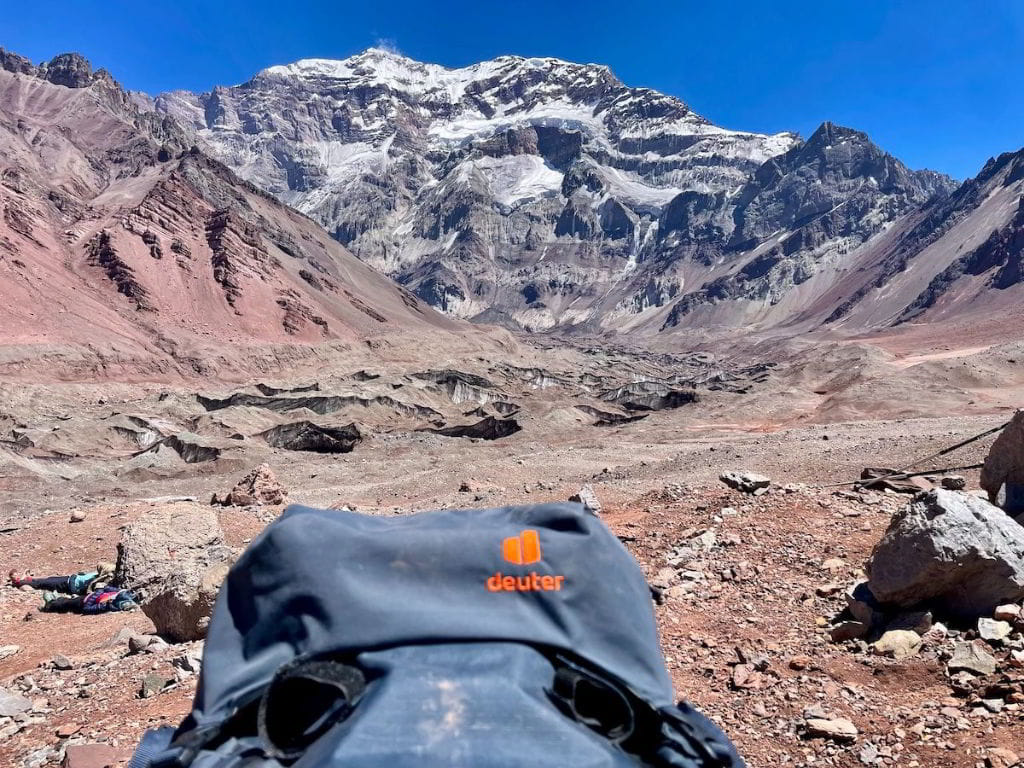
176, 556
950, 549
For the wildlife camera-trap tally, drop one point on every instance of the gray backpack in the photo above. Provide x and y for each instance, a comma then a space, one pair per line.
519, 636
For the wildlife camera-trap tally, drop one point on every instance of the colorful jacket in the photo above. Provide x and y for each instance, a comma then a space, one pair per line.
109, 599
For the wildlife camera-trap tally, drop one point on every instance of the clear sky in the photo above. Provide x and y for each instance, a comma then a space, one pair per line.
938, 84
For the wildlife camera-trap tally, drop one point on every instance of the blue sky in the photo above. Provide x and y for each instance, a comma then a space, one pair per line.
939, 84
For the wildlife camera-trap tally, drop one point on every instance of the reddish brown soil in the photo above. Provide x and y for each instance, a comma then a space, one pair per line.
775, 546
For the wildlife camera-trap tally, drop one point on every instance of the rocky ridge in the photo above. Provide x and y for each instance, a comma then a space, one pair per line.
159, 259
540, 193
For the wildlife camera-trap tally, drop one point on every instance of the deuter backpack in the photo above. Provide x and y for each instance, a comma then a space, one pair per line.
498, 638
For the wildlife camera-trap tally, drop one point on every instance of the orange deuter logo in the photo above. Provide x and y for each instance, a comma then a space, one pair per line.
523, 550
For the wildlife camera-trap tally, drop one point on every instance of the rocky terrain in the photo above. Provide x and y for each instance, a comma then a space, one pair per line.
752, 590
543, 194
182, 354
127, 253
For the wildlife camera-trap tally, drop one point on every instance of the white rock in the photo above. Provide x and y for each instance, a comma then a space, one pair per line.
992, 630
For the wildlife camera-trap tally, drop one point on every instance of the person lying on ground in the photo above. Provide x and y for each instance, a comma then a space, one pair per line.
98, 601
80, 583
90, 591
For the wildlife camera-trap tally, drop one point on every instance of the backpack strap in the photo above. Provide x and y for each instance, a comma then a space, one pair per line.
304, 700
670, 737
689, 740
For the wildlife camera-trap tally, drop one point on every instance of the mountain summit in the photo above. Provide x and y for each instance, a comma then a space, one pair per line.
436, 175
543, 194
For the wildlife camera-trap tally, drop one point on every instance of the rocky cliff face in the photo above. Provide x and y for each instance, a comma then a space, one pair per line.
541, 193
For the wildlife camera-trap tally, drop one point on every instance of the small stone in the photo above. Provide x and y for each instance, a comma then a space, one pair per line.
936, 634
837, 729
62, 662
825, 590
868, 754
970, 658
954, 482
588, 498
747, 482
6, 651
77, 516
833, 564
744, 677
862, 605
993, 631
665, 578
1008, 612
705, 541
188, 663
815, 710
897, 644
800, 663
995, 706
138, 643
849, 630
260, 486
68, 730
465, 487
152, 684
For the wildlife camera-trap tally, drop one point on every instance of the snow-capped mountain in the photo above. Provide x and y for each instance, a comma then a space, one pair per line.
542, 193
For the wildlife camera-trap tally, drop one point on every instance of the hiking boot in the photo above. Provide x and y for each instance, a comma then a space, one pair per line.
16, 578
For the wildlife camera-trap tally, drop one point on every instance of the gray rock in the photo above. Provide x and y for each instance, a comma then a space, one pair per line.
138, 643
951, 548
152, 684
588, 498
12, 704
748, 482
71, 70
62, 662
837, 728
188, 664
968, 657
705, 541
7, 651
993, 631
177, 557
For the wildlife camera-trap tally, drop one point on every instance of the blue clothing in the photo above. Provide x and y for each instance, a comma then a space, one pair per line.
80, 582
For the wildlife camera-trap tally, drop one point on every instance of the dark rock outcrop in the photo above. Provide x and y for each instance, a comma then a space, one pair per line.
489, 428
307, 436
